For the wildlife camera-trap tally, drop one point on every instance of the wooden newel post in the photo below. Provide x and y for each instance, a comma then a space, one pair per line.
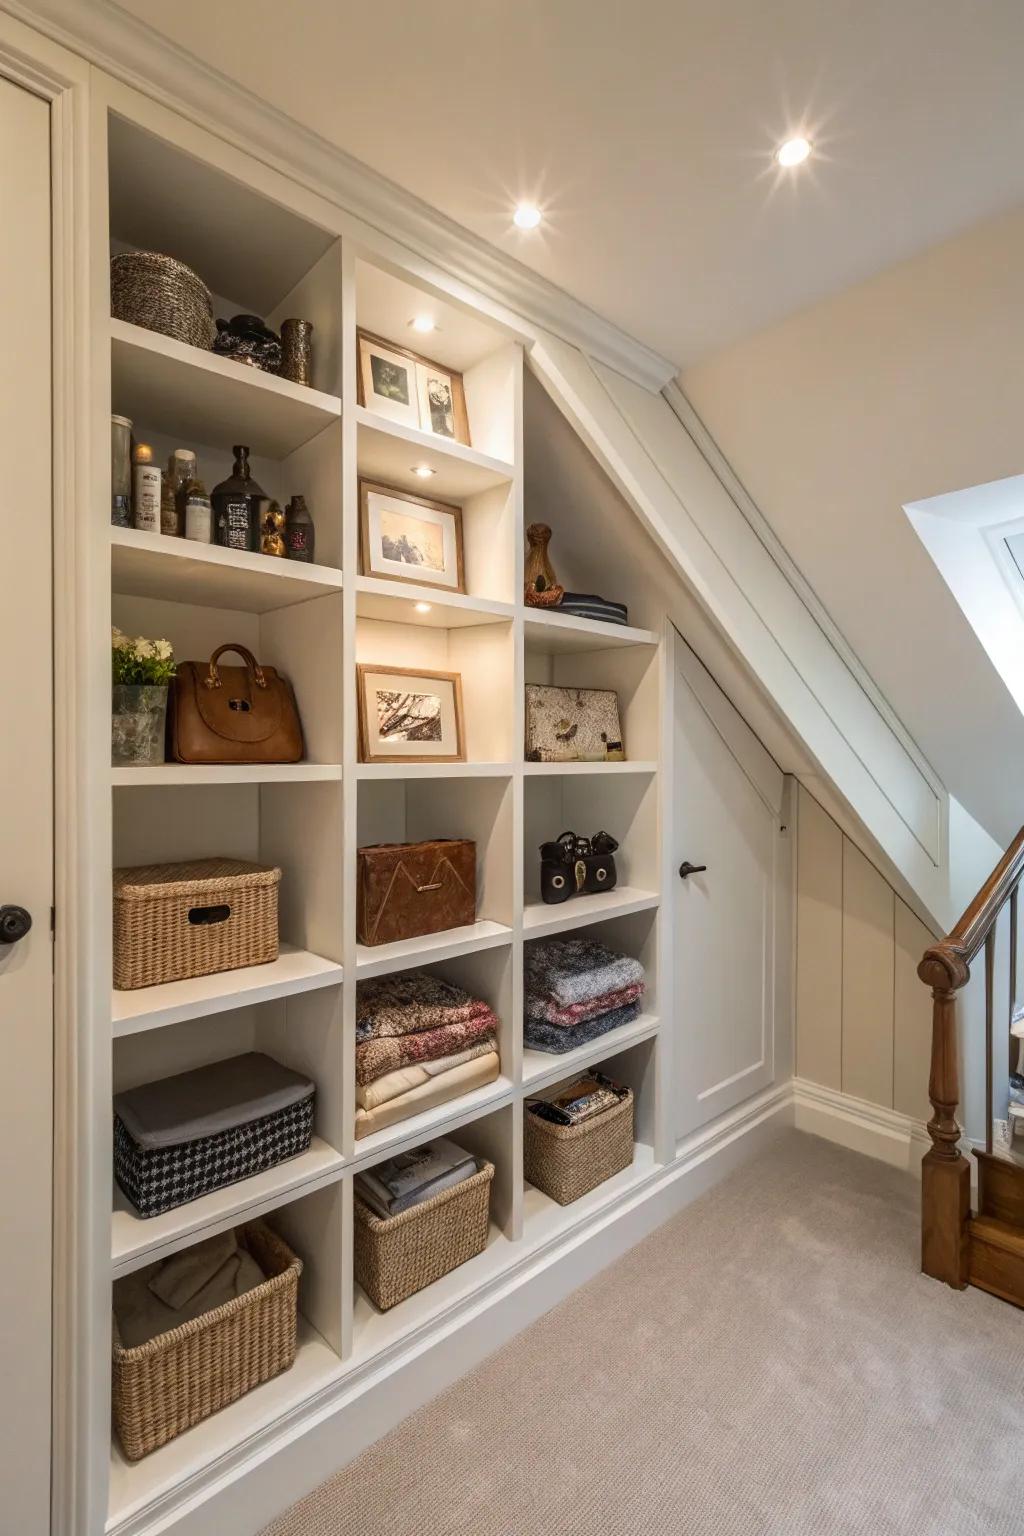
945, 1172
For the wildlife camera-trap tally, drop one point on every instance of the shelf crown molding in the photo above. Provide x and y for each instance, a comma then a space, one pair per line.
135, 54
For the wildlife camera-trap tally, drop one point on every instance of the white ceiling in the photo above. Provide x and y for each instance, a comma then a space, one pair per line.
645, 130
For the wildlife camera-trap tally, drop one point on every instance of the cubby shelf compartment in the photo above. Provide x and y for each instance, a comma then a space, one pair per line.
540, 919
562, 632
573, 769
182, 571
395, 603
225, 773
379, 959
199, 396
134, 1486
137, 1240
543, 1067
388, 451
294, 971
440, 1120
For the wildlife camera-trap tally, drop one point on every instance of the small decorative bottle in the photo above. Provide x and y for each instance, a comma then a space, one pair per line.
120, 472
181, 471
146, 480
198, 514
236, 504
300, 531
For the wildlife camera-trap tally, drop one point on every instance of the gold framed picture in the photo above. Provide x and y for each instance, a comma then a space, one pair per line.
411, 389
409, 538
407, 716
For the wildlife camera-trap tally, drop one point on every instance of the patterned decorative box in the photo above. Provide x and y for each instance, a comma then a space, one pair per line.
184, 1136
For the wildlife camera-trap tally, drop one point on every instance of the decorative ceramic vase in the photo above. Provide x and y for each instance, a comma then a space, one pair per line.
138, 720
297, 351
540, 584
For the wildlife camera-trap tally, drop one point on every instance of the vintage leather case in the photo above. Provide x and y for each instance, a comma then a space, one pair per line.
233, 714
408, 889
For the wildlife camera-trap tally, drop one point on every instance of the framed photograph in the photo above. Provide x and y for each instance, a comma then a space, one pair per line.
409, 717
411, 389
409, 538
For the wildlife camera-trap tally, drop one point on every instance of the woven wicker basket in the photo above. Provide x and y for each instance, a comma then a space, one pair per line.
397, 1257
567, 1161
176, 1380
163, 295
172, 921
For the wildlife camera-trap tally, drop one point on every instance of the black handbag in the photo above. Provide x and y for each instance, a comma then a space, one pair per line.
577, 866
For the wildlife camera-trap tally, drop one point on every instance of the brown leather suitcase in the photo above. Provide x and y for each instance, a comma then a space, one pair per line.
408, 889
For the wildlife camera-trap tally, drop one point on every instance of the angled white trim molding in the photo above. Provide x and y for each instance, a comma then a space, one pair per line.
872, 1129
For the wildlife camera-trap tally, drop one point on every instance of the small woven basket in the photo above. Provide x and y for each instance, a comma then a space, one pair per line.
179, 1378
567, 1161
163, 295
397, 1257
173, 921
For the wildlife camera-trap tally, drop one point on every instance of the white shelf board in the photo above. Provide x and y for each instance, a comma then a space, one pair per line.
540, 919
543, 1067
434, 770
561, 632
439, 1120
138, 1240
134, 1485
544, 1220
182, 571
378, 959
224, 773
572, 769
387, 451
395, 602
199, 397
294, 971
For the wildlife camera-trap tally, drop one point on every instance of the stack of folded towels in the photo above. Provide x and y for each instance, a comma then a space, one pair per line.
412, 1177
419, 1042
576, 989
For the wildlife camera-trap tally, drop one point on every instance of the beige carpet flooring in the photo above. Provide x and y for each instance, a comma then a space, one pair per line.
769, 1361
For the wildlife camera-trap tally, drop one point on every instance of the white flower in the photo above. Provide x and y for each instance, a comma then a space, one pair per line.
118, 639
144, 649
163, 649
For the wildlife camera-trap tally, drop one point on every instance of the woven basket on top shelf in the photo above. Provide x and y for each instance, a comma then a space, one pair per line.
176, 1380
567, 1161
399, 1256
163, 295
173, 921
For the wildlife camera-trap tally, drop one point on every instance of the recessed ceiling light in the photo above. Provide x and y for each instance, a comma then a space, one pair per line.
424, 471
526, 216
422, 323
422, 607
793, 152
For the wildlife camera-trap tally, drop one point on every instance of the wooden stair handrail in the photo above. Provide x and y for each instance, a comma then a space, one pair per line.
947, 964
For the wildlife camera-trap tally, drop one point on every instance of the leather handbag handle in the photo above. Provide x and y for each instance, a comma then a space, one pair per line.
213, 678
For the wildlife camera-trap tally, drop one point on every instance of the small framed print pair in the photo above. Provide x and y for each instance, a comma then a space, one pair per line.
410, 538
408, 388
407, 716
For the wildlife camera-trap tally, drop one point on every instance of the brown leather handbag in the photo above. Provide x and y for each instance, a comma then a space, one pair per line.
404, 890
232, 714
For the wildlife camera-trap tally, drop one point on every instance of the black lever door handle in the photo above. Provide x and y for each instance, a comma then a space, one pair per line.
15, 922
686, 868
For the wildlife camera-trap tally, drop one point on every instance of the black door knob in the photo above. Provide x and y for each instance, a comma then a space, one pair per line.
15, 922
686, 868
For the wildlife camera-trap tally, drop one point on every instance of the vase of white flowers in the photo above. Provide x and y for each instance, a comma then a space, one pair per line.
142, 671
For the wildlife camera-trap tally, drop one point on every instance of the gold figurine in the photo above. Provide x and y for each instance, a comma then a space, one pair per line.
272, 532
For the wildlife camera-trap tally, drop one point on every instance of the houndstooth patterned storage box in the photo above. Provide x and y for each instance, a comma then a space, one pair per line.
184, 1136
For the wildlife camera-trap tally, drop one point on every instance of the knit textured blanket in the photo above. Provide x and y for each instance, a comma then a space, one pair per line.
375, 1057
389, 1006
574, 970
556, 1039
543, 1009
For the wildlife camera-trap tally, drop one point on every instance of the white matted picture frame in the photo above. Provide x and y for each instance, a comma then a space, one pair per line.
409, 716
409, 388
406, 537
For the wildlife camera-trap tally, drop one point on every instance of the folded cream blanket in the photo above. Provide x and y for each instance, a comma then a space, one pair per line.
179, 1289
436, 1090
391, 1084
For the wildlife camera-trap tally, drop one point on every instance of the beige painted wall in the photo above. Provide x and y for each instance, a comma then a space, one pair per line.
863, 1019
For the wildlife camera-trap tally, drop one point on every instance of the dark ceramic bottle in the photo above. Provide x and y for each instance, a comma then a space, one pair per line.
299, 531
236, 503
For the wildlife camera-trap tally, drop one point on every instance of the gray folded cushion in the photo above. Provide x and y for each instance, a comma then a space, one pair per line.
209, 1100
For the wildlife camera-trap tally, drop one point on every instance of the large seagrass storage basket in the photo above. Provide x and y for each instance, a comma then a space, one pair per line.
172, 921
397, 1257
162, 294
567, 1161
179, 1378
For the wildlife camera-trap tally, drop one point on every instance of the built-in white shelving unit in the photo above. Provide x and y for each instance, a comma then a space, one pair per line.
315, 623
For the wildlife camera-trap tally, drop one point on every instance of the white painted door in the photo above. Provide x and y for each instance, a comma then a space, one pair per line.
727, 803
26, 822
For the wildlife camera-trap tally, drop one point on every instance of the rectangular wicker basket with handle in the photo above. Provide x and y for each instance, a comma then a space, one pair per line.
399, 1256
567, 1161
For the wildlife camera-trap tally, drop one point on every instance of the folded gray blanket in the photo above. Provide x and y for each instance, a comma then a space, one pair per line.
556, 1039
575, 970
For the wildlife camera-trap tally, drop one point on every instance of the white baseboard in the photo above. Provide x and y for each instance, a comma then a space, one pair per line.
896, 1139
241, 1498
